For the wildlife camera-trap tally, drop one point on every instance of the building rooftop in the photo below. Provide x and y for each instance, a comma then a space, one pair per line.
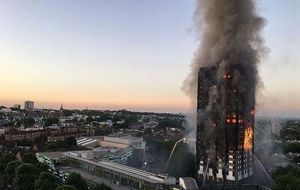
85, 141
51, 155
120, 135
136, 173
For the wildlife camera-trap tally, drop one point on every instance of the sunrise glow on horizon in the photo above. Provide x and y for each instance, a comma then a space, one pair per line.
128, 55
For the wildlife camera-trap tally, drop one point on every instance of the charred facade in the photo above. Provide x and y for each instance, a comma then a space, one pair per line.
224, 126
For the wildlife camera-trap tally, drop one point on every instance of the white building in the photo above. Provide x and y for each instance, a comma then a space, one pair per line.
122, 141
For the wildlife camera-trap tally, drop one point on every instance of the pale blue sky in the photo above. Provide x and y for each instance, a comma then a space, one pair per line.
128, 53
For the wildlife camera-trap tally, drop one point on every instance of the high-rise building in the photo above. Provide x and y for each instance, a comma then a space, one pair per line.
29, 105
224, 128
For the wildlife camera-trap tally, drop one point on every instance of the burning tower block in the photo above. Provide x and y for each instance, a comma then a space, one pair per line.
224, 127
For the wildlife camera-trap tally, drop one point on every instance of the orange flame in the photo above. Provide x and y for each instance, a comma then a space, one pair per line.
248, 138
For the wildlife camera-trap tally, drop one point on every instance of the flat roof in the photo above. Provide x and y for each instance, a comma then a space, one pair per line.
133, 172
51, 155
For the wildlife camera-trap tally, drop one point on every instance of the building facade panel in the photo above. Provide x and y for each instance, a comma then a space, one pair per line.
225, 126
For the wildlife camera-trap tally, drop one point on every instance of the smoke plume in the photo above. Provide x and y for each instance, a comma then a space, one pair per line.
229, 31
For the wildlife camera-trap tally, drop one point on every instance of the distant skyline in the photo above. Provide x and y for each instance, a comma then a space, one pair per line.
131, 54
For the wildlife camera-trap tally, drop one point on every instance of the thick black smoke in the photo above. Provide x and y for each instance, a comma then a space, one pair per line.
229, 31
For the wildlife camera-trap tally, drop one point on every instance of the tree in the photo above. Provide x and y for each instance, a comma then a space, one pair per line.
17, 124
288, 182
287, 178
50, 121
66, 187
131, 119
76, 180
30, 158
165, 123
291, 147
55, 146
28, 122
102, 131
2, 181
10, 170
25, 175
68, 112
89, 119
291, 131
70, 141
65, 144
41, 167
5, 159
46, 181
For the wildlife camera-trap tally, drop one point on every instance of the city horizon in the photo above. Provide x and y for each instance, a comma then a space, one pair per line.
149, 95
67, 106
102, 64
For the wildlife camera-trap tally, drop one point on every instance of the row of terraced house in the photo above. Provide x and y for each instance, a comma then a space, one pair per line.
53, 134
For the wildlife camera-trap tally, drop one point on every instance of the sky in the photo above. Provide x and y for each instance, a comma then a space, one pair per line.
131, 54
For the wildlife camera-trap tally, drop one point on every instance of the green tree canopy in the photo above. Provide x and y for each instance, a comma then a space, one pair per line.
165, 123
61, 145
28, 122
46, 181
25, 176
10, 170
89, 119
68, 112
76, 180
70, 141
287, 178
41, 167
51, 121
288, 182
30, 158
291, 147
5, 159
2, 181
